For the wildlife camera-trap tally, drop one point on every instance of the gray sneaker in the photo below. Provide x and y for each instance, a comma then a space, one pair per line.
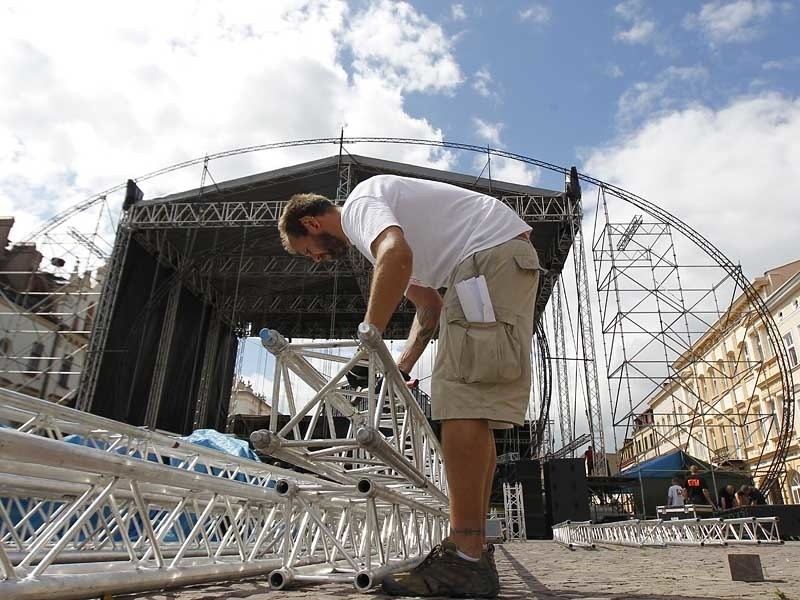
489, 554
445, 573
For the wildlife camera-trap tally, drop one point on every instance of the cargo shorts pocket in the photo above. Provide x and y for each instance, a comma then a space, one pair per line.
484, 352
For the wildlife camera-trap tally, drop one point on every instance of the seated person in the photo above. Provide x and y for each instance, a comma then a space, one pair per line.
757, 497
743, 497
727, 497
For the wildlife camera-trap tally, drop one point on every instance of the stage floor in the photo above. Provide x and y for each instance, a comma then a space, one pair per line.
546, 570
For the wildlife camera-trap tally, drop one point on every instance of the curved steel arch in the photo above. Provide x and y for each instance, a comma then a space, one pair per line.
732, 270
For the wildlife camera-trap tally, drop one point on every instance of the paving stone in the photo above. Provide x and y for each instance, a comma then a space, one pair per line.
548, 571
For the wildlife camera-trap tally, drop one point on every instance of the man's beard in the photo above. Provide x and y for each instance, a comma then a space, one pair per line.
333, 246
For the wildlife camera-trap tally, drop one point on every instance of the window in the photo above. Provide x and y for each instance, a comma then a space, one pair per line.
788, 340
36, 352
756, 341
66, 367
767, 419
795, 487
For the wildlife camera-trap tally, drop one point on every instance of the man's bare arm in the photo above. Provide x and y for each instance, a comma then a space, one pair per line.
428, 303
393, 262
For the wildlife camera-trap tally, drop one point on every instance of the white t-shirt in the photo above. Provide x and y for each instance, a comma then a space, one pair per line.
675, 495
442, 223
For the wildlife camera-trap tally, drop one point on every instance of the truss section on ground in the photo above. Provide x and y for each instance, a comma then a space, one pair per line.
678, 532
90, 505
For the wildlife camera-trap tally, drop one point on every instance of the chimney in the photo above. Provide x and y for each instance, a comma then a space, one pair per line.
6, 223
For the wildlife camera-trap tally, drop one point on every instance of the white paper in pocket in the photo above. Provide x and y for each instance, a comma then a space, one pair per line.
473, 294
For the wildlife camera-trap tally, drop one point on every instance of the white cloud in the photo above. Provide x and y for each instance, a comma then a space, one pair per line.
457, 12
483, 82
784, 64
640, 28
505, 169
502, 169
535, 13
488, 131
671, 86
695, 163
615, 72
726, 21
126, 89
398, 45
640, 32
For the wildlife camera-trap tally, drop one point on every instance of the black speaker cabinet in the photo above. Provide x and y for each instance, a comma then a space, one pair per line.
566, 491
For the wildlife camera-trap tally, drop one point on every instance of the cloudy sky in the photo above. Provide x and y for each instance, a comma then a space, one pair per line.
693, 105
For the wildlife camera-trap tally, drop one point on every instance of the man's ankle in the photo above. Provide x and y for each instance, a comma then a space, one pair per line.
468, 547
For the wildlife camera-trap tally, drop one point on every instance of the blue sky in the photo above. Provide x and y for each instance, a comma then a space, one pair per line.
570, 76
693, 105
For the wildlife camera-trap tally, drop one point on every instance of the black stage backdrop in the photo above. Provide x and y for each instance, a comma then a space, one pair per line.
127, 365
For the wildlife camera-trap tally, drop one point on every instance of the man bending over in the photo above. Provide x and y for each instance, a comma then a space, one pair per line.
421, 236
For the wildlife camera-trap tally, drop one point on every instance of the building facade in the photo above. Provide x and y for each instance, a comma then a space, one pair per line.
244, 401
45, 320
726, 408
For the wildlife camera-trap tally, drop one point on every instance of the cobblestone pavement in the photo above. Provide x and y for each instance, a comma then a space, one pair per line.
549, 571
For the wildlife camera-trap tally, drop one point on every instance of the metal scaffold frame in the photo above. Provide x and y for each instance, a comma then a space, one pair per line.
682, 347
514, 508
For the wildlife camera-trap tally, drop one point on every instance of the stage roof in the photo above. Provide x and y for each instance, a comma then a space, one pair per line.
224, 239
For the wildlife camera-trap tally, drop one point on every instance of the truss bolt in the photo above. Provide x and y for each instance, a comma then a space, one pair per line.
272, 340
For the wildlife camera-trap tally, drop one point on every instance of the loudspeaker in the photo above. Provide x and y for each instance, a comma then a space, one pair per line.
529, 474
536, 527
566, 491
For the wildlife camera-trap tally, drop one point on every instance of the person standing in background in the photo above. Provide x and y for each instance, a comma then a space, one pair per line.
675, 493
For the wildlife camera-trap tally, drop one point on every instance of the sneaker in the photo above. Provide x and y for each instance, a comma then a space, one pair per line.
445, 573
489, 554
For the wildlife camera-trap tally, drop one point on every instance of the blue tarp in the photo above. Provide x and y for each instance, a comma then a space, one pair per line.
665, 466
211, 438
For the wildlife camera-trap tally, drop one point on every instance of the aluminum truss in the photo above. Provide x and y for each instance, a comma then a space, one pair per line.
388, 451
388, 437
514, 507
122, 509
566, 428
678, 532
586, 330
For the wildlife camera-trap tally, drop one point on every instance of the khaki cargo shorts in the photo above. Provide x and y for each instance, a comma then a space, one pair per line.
483, 370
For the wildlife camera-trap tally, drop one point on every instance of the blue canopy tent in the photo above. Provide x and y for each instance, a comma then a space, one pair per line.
655, 476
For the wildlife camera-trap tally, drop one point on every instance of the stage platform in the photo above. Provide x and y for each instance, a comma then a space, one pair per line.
540, 570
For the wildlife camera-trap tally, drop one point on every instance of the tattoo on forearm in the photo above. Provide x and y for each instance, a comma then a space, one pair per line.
467, 531
426, 322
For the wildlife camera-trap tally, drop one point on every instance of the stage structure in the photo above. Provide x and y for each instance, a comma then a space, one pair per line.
212, 254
